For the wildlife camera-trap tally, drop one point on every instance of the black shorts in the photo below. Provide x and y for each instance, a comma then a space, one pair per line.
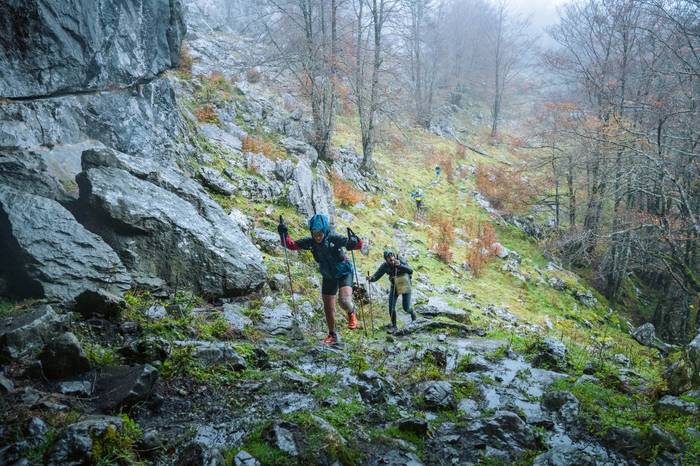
330, 286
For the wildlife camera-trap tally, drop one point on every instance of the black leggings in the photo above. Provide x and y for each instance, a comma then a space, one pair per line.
405, 301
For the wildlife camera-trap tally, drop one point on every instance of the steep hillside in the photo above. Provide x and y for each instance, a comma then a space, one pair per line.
165, 331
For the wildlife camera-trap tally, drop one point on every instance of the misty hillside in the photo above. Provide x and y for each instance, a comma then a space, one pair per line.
210, 208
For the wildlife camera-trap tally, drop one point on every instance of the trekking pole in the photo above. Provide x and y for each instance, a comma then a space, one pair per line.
357, 280
371, 306
289, 271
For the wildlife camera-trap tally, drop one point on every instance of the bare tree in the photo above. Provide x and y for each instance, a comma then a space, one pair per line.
512, 41
305, 34
422, 42
369, 29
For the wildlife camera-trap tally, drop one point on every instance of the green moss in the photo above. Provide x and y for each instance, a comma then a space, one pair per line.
100, 355
464, 362
117, 446
393, 432
497, 354
9, 308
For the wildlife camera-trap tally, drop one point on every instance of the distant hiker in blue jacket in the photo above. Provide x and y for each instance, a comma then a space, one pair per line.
400, 274
336, 270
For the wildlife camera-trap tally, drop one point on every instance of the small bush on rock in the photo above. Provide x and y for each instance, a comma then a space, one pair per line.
441, 237
344, 192
505, 188
206, 114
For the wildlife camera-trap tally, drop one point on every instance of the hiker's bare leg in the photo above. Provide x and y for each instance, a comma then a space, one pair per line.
346, 299
329, 311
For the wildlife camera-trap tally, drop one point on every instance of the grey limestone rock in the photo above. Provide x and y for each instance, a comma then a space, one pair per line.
50, 46
25, 335
63, 357
75, 444
204, 252
48, 254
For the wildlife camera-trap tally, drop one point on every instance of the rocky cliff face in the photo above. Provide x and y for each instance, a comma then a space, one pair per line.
82, 76
51, 47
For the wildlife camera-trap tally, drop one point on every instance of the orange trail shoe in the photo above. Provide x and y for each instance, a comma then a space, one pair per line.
330, 339
352, 321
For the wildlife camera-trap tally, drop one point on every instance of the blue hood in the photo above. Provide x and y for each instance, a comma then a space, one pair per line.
319, 222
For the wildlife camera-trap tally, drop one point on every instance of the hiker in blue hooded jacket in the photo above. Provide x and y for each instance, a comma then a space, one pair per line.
336, 270
400, 274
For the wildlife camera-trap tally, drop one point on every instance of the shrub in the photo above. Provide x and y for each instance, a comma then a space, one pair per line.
206, 114
259, 146
344, 192
441, 237
444, 161
504, 187
481, 249
185, 65
343, 92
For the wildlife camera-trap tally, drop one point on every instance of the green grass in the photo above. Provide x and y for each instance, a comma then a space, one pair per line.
117, 446
101, 355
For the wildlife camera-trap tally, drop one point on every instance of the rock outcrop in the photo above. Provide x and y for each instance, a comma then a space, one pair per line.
137, 217
48, 254
50, 47
25, 335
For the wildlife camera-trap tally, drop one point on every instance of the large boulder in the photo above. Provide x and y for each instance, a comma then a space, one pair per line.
310, 194
75, 445
27, 171
277, 320
300, 149
54, 46
503, 435
347, 163
137, 217
25, 335
48, 254
213, 180
439, 394
645, 334
209, 353
684, 374
551, 354
437, 306
63, 357
123, 386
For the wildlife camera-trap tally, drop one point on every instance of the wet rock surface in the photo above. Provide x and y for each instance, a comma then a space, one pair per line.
122, 386
61, 263
63, 357
25, 335
76, 443
47, 47
223, 378
437, 306
137, 217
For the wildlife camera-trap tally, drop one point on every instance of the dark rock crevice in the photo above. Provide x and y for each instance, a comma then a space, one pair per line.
129, 88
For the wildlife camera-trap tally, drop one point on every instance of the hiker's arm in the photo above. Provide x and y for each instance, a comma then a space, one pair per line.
303, 243
378, 274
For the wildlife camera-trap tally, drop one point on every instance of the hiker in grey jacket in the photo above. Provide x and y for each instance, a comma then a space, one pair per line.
400, 274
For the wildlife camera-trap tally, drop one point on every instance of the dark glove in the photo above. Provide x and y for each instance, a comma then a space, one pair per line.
282, 230
352, 236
